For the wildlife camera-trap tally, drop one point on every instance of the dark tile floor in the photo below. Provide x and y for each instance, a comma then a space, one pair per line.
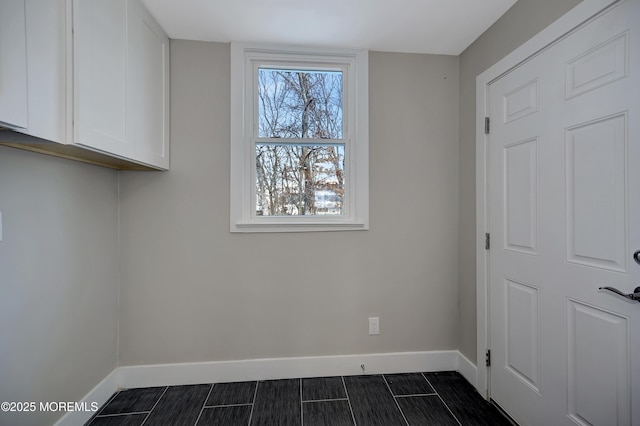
443, 398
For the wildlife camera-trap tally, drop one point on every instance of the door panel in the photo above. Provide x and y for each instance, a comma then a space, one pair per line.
523, 343
596, 193
521, 196
597, 67
563, 210
592, 333
521, 101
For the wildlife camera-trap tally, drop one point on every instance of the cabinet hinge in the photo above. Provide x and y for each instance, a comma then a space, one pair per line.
487, 125
487, 241
487, 358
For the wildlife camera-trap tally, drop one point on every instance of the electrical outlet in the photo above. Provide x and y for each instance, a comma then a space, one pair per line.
374, 326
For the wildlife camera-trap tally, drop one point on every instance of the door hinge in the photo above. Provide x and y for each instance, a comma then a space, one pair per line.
487, 241
487, 358
487, 125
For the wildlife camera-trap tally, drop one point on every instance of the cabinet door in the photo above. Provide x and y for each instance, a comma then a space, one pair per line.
49, 65
148, 87
13, 64
100, 47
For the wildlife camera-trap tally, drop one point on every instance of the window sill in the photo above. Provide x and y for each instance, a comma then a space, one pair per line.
306, 226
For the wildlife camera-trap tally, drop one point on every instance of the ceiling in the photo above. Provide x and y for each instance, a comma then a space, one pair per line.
418, 26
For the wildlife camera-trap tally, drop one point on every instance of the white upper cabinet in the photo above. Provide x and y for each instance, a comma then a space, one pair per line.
93, 76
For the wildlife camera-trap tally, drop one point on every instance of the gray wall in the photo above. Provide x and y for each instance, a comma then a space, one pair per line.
524, 20
192, 291
58, 280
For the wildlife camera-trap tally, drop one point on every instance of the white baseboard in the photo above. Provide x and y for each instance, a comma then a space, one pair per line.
285, 368
137, 376
468, 370
99, 394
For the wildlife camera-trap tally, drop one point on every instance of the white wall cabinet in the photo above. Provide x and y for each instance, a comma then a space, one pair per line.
94, 81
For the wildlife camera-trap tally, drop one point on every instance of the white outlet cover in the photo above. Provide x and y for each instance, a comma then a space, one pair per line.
374, 326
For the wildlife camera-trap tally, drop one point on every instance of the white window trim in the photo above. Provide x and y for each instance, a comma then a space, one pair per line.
242, 188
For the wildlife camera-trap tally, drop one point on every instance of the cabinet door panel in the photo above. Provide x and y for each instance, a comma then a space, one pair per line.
48, 33
148, 85
101, 62
13, 64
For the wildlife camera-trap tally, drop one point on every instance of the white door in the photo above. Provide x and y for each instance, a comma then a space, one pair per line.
564, 215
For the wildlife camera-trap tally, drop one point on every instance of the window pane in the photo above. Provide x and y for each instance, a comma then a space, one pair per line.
299, 104
297, 180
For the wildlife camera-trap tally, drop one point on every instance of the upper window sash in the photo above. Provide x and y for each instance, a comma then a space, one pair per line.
292, 66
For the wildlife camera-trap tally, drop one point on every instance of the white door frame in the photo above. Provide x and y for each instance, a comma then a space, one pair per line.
572, 19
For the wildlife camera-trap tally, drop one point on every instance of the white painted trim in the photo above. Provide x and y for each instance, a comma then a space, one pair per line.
467, 369
564, 25
286, 368
99, 394
482, 227
137, 376
356, 138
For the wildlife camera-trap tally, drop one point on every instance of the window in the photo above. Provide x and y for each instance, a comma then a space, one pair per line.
299, 139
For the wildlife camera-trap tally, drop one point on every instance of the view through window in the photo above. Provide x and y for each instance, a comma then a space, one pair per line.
299, 151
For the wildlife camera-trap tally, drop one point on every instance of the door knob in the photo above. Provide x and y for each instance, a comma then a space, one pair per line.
636, 257
633, 296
